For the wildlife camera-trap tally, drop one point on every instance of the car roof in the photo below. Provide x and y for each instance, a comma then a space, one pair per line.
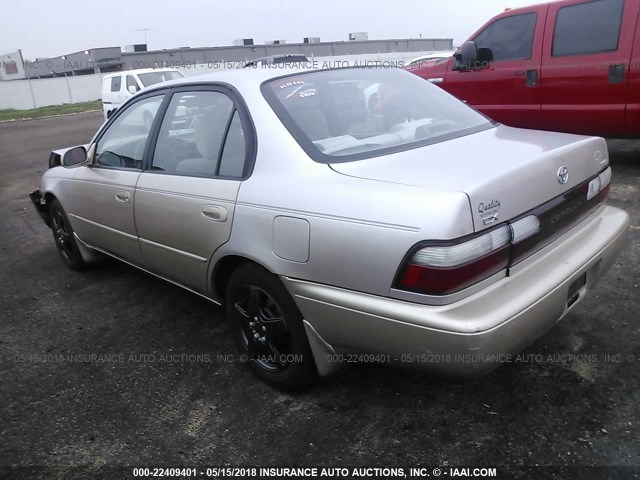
141, 70
236, 76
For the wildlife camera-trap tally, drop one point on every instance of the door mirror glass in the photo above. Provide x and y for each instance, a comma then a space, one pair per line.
74, 156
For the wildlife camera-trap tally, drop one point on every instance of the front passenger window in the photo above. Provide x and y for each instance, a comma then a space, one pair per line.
123, 143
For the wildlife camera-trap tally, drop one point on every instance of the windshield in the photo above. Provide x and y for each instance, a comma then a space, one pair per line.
355, 113
152, 78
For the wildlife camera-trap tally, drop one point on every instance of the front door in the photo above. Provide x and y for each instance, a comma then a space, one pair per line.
506, 89
101, 198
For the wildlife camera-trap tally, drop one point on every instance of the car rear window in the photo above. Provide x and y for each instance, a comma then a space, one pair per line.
152, 78
356, 113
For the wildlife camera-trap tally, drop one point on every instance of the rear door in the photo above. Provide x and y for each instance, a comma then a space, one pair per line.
185, 199
506, 89
585, 66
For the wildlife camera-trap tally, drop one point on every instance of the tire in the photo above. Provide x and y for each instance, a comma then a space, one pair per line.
267, 328
63, 237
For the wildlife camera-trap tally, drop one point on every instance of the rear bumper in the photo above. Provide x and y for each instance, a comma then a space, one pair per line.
40, 205
473, 335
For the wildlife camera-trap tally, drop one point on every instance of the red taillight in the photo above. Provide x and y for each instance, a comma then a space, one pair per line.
443, 281
441, 269
604, 193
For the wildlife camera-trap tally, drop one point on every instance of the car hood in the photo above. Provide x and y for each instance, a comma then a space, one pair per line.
504, 171
431, 70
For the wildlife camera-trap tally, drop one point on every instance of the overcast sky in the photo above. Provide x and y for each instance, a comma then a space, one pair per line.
47, 29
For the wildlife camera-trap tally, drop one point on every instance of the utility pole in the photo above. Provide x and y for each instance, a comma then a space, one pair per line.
145, 30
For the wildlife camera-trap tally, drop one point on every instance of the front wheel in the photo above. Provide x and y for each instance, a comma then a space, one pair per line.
63, 236
267, 327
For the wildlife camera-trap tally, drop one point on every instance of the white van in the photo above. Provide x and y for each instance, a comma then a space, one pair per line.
117, 88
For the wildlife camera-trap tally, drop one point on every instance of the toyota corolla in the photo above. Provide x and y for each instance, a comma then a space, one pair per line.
337, 214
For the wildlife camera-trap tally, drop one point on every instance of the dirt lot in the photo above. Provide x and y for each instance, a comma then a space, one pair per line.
143, 411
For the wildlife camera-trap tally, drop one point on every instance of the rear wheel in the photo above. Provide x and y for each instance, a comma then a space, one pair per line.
63, 236
268, 329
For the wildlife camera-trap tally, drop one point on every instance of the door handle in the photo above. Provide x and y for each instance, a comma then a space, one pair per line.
215, 213
532, 78
616, 73
519, 73
123, 196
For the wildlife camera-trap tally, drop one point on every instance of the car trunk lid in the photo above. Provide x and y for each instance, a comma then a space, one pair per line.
504, 171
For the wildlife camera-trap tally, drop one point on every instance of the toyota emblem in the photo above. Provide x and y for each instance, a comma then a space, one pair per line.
563, 175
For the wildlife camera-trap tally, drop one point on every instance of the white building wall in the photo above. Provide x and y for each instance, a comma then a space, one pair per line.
16, 94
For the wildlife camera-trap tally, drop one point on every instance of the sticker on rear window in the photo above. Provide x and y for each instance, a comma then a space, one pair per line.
291, 83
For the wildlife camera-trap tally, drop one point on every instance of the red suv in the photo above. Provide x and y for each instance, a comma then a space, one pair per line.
569, 66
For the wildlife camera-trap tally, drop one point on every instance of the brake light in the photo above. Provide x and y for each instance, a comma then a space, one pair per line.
441, 269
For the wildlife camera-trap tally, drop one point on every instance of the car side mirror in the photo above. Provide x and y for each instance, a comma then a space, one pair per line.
469, 57
74, 156
132, 90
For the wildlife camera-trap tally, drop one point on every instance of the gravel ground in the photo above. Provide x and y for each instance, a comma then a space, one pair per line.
143, 411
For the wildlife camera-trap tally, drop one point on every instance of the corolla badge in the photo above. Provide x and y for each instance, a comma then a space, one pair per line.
563, 175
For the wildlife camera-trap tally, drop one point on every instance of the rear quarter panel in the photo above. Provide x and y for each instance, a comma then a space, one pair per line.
359, 229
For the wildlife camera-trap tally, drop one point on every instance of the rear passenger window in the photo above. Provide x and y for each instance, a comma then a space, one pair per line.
201, 136
510, 38
115, 83
587, 28
234, 152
